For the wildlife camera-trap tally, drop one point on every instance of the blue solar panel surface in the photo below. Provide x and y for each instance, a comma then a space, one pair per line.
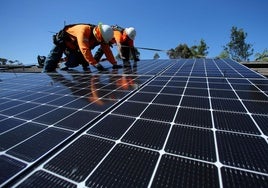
162, 123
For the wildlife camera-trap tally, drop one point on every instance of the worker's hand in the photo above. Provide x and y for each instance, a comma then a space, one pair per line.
136, 59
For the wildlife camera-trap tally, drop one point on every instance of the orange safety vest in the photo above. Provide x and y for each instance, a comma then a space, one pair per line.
122, 38
82, 37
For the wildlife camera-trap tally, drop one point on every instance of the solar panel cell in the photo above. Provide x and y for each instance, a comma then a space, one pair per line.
10, 123
80, 158
125, 166
54, 116
142, 97
223, 94
196, 92
35, 147
252, 95
159, 112
227, 105
34, 113
195, 102
167, 99
112, 126
244, 87
172, 90
70, 122
235, 178
192, 142
262, 122
9, 167
240, 150
43, 179
100, 105
19, 134
18, 109
257, 107
235, 122
147, 134
180, 172
194, 117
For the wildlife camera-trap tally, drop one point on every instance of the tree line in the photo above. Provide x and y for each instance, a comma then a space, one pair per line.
237, 49
4, 61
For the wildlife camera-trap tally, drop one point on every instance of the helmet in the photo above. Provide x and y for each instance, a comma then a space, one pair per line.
107, 32
131, 32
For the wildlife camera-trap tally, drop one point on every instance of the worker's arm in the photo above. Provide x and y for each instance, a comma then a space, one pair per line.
83, 43
108, 53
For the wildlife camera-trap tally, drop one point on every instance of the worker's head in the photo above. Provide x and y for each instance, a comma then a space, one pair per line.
131, 32
103, 33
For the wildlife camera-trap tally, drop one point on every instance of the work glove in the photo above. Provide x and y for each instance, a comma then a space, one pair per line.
136, 59
123, 58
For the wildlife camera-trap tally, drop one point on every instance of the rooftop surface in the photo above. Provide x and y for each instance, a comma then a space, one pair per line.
162, 123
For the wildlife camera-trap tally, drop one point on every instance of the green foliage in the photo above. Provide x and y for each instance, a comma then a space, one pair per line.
202, 49
262, 56
237, 48
3, 61
224, 54
183, 51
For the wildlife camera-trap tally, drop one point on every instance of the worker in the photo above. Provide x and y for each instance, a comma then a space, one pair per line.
77, 41
124, 39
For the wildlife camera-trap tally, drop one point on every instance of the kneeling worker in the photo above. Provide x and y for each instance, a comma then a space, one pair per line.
77, 41
124, 39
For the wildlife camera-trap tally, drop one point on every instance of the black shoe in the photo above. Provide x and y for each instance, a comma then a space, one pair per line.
126, 64
86, 69
64, 68
117, 66
49, 71
100, 67
41, 60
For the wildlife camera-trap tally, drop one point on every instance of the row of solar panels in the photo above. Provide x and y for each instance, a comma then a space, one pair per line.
163, 123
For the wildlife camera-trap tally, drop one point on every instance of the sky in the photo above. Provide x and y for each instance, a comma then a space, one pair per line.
27, 26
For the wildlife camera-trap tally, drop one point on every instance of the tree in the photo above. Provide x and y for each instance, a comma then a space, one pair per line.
156, 56
224, 54
238, 49
3, 60
11, 62
183, 51
171, 54
262, 56
202, 49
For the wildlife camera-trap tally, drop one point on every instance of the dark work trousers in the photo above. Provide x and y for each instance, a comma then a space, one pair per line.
74, 59
53, 58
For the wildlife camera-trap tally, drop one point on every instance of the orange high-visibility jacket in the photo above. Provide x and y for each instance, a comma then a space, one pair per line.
83, 36
123, 39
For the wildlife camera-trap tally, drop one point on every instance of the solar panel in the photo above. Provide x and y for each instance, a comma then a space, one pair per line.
162, 123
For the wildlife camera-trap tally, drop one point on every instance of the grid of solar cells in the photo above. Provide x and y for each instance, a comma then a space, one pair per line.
173, 123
